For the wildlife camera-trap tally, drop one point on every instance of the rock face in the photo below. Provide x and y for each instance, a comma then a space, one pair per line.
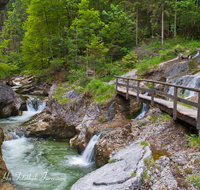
60, 121
125, 172
175, 68
10, 102
3, 4
30, 86
114, 141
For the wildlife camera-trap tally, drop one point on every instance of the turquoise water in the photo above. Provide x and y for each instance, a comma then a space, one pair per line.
41, 164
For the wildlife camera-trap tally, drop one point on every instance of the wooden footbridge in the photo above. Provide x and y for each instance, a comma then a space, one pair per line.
188, 115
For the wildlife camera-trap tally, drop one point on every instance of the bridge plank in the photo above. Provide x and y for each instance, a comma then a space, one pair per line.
184, 113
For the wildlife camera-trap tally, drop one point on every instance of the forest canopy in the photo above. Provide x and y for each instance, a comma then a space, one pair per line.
80, 38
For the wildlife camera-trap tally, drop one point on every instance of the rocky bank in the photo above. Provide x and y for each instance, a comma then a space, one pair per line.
157, 157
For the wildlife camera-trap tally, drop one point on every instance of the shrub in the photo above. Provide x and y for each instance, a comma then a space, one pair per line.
195, 179
193, 141
144, 143
101, 92
112, 160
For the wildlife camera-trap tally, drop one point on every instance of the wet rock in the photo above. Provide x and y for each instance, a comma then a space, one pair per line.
118, 174
10, 102
61, 121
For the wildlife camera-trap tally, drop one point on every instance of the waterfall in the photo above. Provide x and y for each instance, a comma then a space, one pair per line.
88, 154
192, 81
145, 108
35, 105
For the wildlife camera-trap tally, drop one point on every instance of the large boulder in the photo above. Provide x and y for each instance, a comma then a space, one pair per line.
125, 171
10, 102
3, 4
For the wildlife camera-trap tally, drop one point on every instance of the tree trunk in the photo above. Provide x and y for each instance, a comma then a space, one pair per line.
18, 45
94, 70
175, 18
48, 33
64, 48
136, 43
162, 43
87, 62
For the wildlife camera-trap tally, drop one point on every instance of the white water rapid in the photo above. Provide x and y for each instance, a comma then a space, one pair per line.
40, 164
88, 154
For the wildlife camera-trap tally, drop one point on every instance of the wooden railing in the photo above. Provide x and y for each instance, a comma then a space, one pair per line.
174, 97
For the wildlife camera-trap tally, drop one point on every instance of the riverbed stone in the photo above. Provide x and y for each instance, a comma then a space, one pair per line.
10, 102
118, 173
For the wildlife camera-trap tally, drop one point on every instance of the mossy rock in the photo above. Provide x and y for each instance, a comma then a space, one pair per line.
192, 66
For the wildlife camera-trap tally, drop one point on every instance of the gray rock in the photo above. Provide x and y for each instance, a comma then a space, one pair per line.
117, 175
71, 94
10, 102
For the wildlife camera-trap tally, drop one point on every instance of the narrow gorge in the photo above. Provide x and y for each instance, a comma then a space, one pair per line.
133, 145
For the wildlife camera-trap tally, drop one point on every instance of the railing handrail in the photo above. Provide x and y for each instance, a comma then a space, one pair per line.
175, 96
164, 83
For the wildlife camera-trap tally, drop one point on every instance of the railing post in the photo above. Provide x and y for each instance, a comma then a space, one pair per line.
175, 103
152, 94
127, 88
116, 85
198, 112
138, 90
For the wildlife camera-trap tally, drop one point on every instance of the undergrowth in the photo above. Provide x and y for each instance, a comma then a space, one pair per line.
153, 53
193, 141
101, 92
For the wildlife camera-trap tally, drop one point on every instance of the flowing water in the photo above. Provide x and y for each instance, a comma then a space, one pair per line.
145, 108
192, 81
86, 159
41, 164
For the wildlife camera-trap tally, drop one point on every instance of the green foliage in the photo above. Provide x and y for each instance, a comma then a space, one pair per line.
130, 60
133, 174
193, 141
149, 162
143, 143
112, 160
195, 179
163, 118
71, 36
149, 84
153, 53
188, 170
153, 118
101, 92
141, 123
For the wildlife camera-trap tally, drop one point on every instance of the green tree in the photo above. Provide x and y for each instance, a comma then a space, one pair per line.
96, 52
